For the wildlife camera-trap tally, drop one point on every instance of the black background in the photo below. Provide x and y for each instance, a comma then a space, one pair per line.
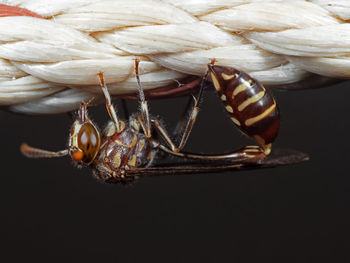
54, 212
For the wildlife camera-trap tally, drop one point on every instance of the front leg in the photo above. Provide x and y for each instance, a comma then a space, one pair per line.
188, 124
248, 154
143, 118
110, 109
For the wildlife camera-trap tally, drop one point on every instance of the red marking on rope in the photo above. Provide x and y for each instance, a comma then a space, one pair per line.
6, 10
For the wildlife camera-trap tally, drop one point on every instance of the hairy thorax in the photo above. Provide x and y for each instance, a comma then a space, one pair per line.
123, 151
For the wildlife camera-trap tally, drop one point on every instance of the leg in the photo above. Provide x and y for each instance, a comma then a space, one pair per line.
144, 118
248, 154
193, 113
160, 129
110, 109
183, 121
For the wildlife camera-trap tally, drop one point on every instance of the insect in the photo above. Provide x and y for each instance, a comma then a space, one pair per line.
126, 150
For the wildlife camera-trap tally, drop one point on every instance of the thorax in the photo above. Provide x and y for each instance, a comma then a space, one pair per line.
125, 150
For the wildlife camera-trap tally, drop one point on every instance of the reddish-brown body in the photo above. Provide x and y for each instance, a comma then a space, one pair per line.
251, 107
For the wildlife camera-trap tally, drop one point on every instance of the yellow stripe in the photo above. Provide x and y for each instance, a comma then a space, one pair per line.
131, 145
261, 116
251, 100
227, 77
240, 88
229, 108
132, 162
117, 159
141, 145
252, 147
215, 81
267, 149
236, 121
252, 150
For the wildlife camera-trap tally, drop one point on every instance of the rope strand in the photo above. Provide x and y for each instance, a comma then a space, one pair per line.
50, 64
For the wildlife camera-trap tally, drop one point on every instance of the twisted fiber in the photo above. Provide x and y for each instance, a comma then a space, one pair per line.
50, 65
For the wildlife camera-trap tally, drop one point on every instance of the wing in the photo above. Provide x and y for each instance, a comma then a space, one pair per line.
278, 157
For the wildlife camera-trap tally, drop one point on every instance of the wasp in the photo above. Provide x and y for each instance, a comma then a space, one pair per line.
127, 149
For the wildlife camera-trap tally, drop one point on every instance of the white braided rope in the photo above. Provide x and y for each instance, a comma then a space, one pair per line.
50, 65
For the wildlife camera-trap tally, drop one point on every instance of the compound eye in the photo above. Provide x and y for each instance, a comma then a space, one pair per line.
88, 144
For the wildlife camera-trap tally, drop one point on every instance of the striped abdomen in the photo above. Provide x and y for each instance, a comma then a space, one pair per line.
251, 107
